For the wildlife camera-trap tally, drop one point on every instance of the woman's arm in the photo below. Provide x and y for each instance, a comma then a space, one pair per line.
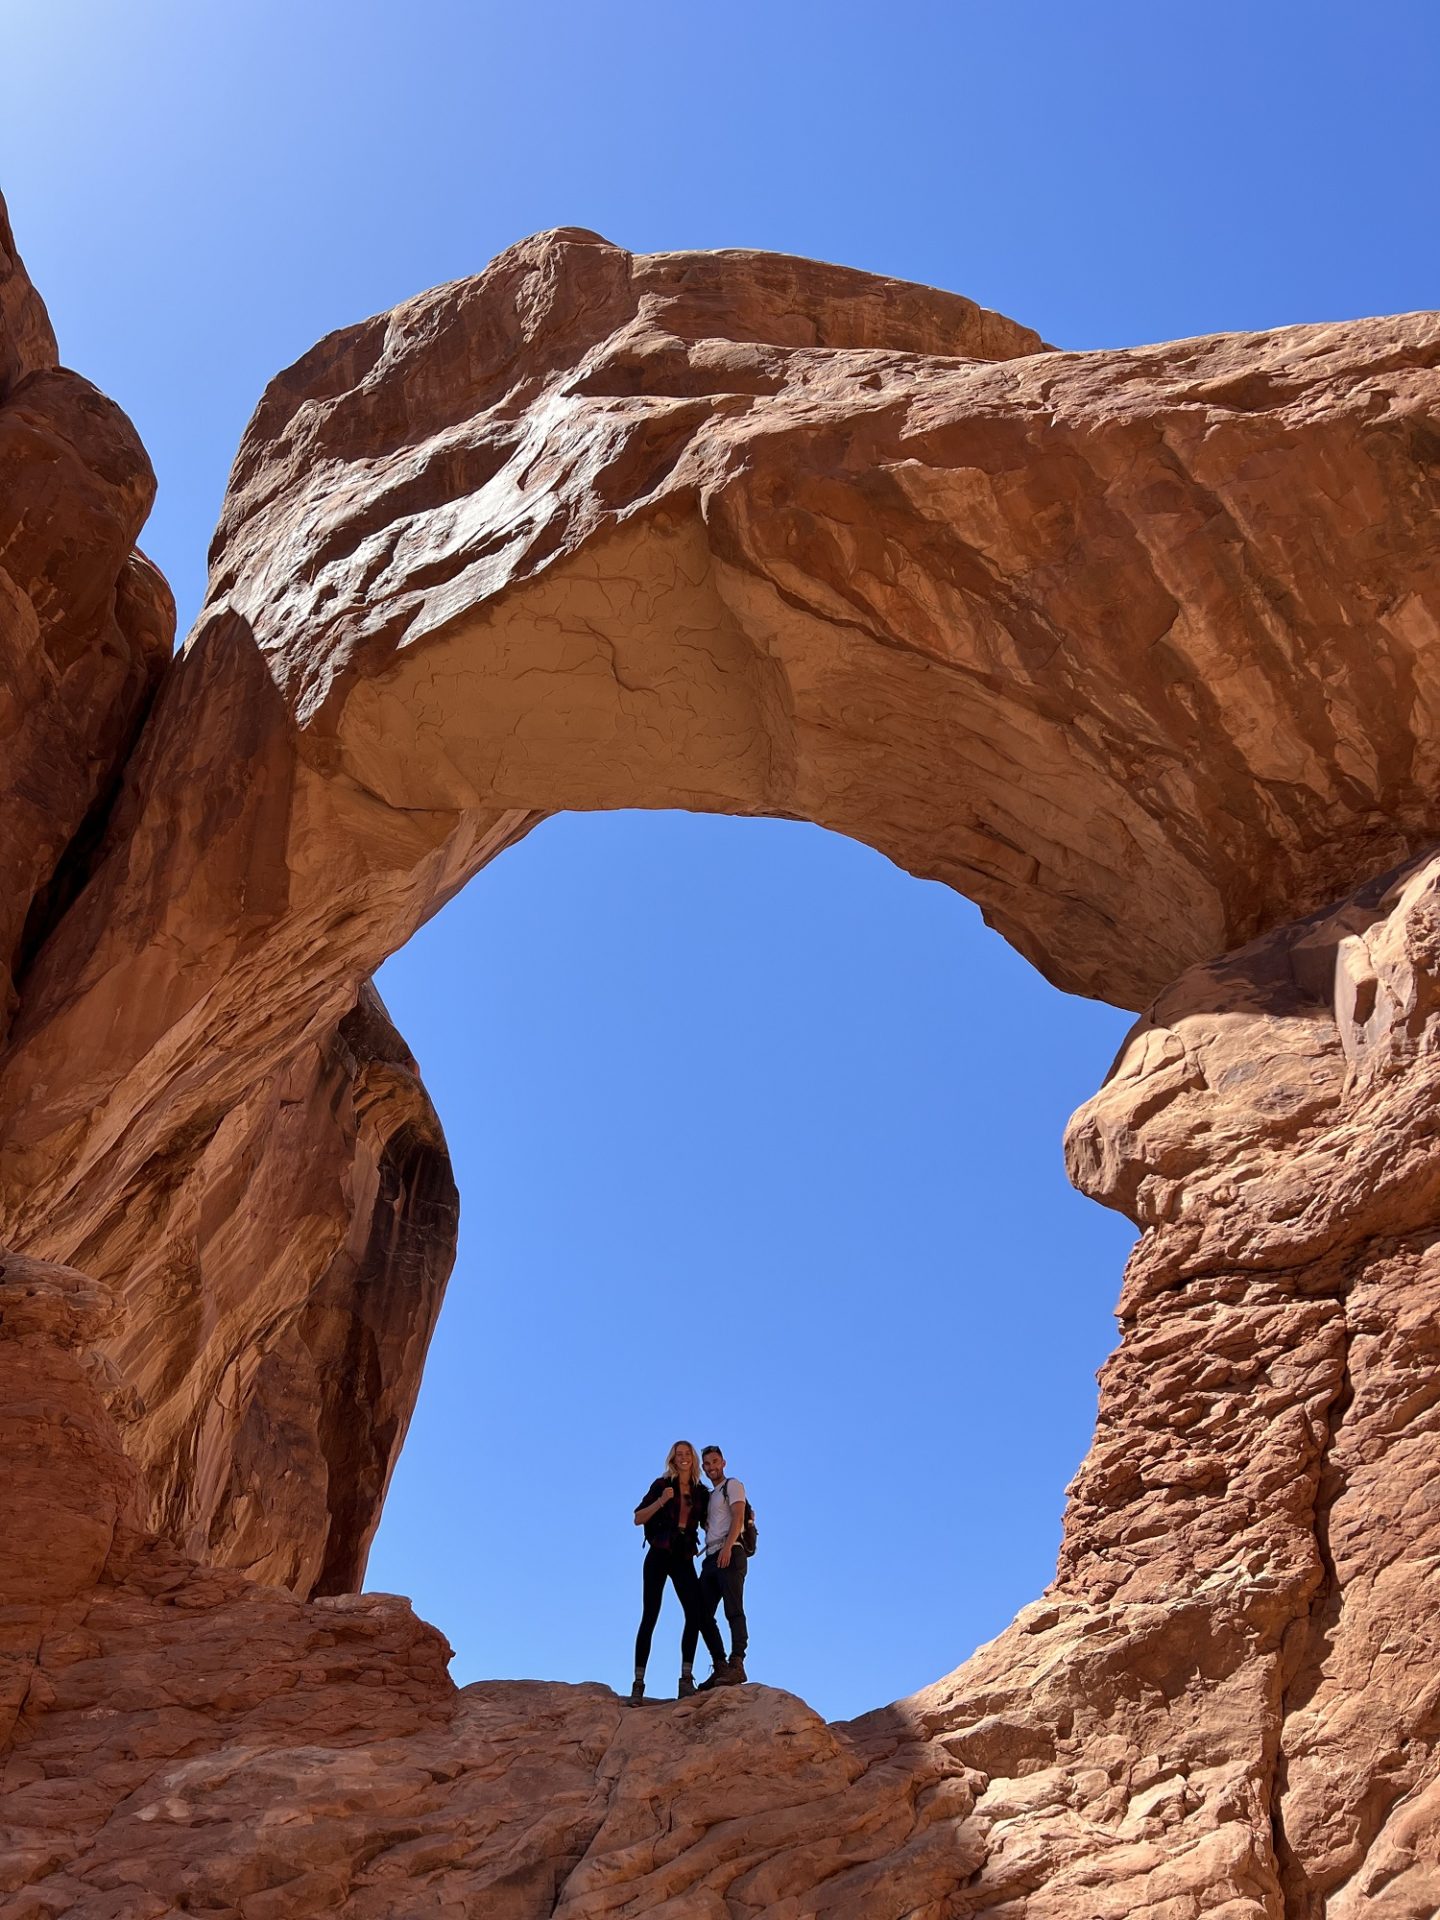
642, 1514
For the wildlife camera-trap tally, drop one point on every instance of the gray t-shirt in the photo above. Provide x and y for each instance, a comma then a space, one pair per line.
719, 1516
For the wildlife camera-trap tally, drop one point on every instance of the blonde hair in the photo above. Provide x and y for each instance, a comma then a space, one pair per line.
672, 1472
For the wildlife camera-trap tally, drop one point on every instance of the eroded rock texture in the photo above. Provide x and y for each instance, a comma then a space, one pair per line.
289, 1263
1138, 649
1272, 1125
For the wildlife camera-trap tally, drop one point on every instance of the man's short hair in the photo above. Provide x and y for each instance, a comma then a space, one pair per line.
712, 1449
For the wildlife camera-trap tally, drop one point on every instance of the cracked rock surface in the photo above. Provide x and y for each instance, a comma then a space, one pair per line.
1139, 650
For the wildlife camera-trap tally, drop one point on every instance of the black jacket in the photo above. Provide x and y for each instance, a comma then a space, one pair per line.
661, 1529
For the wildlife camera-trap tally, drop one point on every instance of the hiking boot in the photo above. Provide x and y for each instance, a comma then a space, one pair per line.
732, 1674
687, 1687
637, 1693
715, 1678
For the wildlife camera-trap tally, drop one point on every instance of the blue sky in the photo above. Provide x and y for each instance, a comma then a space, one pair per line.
758, 1138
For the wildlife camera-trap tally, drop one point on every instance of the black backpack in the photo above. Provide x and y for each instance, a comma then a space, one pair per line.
749, 1531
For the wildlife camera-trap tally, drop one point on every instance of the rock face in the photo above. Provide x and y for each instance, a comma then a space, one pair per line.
86, 623
1139, 649
301, 1248
1272, 1126
284, 1299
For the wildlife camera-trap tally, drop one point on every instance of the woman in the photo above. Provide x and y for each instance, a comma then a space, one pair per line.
670, 1513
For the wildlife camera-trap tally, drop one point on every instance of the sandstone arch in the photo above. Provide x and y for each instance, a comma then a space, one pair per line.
1138, 649
1129, 647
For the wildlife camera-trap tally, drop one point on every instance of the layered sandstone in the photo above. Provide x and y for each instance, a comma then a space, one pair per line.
1135, 648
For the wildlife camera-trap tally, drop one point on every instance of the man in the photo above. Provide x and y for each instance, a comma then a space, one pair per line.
722, 1575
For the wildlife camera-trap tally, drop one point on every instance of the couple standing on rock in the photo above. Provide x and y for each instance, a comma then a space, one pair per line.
678, 1504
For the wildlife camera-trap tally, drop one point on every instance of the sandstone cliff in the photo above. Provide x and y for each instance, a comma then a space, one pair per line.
1138, 649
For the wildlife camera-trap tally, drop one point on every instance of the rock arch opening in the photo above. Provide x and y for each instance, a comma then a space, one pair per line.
699, 1073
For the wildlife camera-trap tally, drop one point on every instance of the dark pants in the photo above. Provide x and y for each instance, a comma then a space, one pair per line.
719, 1583
678, 1568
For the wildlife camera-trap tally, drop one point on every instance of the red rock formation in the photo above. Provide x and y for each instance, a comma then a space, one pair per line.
1271, 1124
301, 1247
1135, 648
86, 623
300, 1287
738, 533
1226, 1704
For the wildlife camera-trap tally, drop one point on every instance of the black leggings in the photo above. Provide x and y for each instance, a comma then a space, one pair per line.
661, 1565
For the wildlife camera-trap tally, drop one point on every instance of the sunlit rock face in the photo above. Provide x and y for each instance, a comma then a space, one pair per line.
1135, 648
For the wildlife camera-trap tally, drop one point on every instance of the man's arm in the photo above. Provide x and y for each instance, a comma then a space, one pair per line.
737, 1519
